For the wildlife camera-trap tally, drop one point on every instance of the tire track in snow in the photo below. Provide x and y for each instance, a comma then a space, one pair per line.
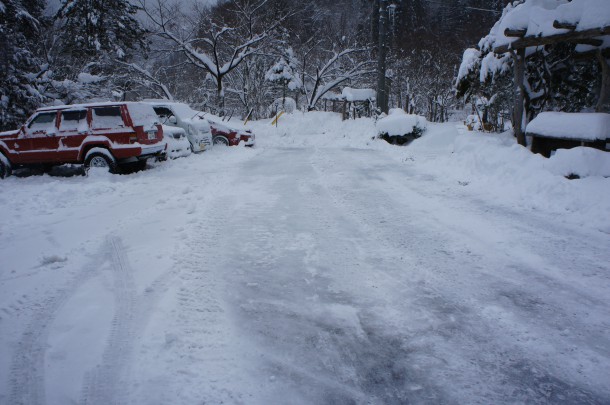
297, 293
444, 299
27, 381
200, 363
106, 383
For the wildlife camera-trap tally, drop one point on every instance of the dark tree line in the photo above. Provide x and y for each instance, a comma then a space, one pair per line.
221, 57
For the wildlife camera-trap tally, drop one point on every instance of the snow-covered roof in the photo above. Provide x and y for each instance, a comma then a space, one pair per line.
581, 126
351, 94
537, 18
531, 20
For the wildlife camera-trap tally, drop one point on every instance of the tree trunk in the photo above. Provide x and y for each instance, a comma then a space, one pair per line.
605, 82
519, 71
382, 96
220, 97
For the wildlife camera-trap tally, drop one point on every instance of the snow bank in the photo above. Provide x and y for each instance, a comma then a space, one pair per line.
495, 166
399, 123
581, 161
482, 165
587, 126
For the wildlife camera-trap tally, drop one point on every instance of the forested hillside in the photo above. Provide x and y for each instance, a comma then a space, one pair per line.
220, 57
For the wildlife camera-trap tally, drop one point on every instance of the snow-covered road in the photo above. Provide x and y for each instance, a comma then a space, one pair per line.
295, 274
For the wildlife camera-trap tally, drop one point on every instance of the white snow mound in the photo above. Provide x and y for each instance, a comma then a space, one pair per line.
399, 123
581, 161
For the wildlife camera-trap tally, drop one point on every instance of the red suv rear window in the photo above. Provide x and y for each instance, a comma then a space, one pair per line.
107, 117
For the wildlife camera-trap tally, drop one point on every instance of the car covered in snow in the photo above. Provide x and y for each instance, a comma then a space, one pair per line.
106, 135
229, 133
399, 128
178, 144
181, 115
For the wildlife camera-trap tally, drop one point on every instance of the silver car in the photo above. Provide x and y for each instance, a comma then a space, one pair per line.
182, 115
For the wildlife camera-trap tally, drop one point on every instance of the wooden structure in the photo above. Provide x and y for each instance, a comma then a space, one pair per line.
518, 48
333, 102
545, 145
557, 130
351, 103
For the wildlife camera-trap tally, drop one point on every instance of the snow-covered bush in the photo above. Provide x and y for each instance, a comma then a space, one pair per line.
400, 128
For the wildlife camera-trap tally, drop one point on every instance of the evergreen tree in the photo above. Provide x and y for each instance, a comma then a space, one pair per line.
92, 36
93, 29
21, 25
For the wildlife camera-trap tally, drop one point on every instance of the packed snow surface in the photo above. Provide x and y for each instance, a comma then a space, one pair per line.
321, 266
586, 126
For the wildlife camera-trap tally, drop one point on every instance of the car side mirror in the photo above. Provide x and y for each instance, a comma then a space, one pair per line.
172, 120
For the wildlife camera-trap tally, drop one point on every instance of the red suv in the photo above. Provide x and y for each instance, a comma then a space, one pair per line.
98, 135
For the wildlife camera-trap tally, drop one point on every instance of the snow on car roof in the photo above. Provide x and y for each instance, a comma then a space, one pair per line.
183, 110
84, 105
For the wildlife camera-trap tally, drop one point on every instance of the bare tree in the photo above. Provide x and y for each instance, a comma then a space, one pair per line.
215, 43
145, 78
323, 69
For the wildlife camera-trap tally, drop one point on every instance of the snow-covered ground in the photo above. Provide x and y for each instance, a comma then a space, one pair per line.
321, 266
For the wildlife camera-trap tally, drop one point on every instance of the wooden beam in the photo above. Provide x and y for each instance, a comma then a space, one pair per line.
588, 41
564, 25
526, 42
515, 33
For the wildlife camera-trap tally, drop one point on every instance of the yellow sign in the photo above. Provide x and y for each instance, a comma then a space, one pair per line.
277, 118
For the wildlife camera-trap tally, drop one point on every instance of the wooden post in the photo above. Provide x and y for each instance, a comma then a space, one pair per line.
519, 71
603, 91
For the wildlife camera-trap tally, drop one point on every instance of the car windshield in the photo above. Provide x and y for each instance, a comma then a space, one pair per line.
184, 112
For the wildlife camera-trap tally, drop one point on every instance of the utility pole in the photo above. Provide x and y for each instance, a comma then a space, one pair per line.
382, 94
